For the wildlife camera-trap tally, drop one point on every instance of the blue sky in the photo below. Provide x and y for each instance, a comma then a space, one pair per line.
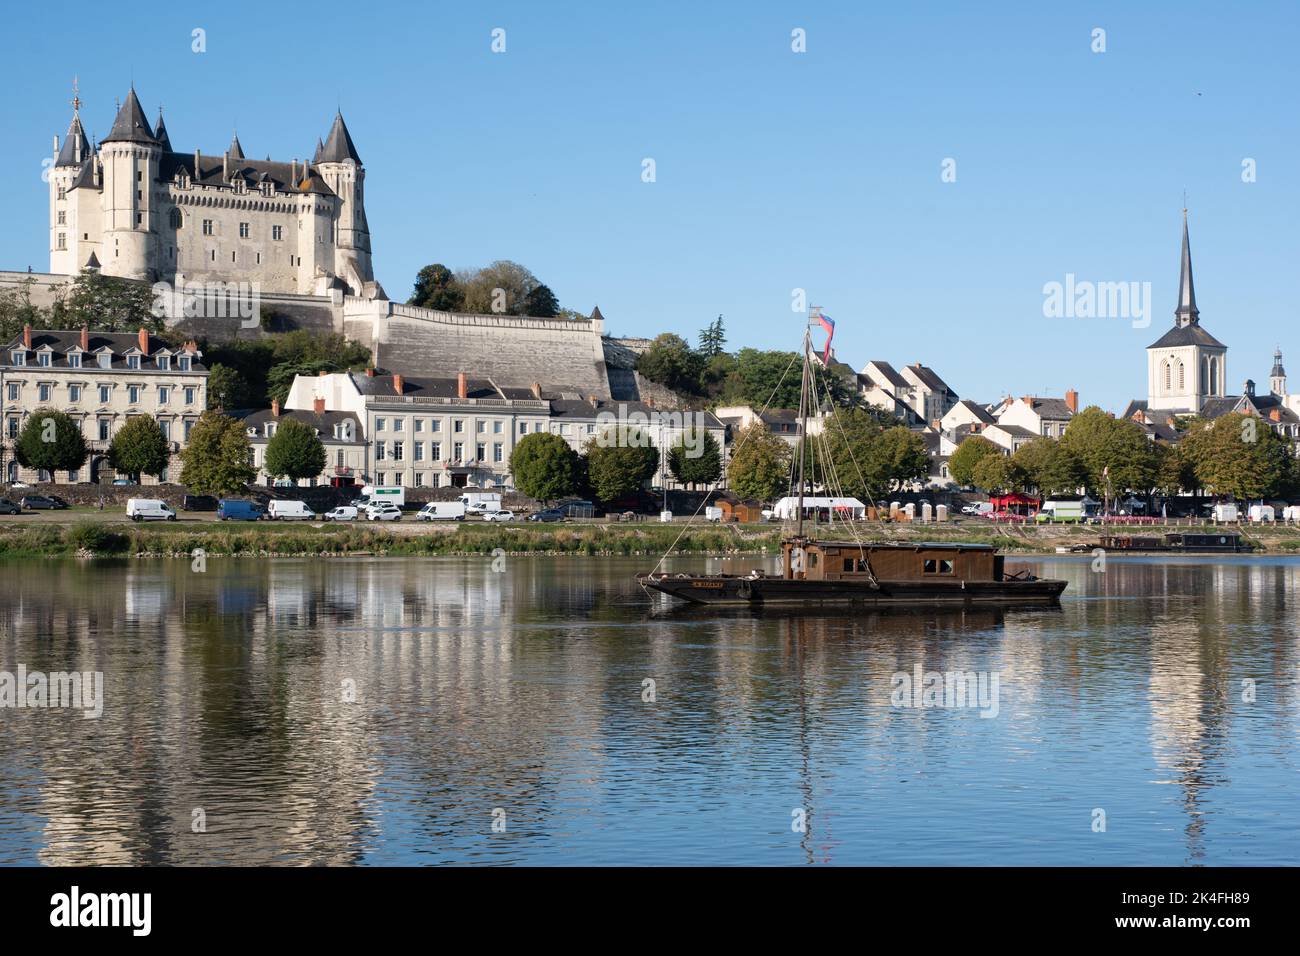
774, 170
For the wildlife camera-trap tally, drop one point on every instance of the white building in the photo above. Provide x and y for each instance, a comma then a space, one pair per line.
1047, 417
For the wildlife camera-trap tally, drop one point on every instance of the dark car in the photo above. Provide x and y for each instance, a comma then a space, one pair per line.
549, 514
199, 503
42, 502
7, 507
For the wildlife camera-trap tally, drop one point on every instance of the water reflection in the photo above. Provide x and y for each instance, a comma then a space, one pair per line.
520, 697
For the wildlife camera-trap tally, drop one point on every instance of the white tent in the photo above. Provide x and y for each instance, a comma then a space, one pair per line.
787, 509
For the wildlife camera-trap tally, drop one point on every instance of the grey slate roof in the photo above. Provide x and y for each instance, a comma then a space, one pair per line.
236, 151
1133, 407
253, 171
130, 126
338, 145
1018, 431
1053, 409
890, 374
62, 340
160, 133
74, 149
931, 380
382, 386
979, 411
1278, 370
1186, 335
323, 422
1218, 407
1186, 310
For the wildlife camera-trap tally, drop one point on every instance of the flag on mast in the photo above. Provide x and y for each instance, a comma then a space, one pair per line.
829, 325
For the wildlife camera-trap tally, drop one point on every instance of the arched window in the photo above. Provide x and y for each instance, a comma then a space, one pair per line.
1214, 377
1165, 366
176, 219
1182, 379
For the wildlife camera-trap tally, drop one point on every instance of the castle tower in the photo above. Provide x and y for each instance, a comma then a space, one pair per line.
1187, 364
1277, 377
341, 168
68, 161
130, 154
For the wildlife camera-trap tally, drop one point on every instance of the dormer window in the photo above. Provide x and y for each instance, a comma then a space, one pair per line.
185, 363
74, 360
43, 359
270, 429
164, 363
18, 357
133, 361
105, 359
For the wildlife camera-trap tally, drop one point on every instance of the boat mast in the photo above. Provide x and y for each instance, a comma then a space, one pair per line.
803, 422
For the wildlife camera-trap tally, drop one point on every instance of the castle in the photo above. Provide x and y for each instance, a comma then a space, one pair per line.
132, 206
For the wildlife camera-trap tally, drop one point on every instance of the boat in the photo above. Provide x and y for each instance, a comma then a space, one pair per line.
1216, 542
827, 573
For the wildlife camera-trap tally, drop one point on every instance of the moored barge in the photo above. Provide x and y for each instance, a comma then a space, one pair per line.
1218, 542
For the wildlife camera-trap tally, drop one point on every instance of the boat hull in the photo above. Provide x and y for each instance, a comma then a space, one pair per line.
764, 591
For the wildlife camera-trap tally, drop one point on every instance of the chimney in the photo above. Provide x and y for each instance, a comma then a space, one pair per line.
293, 174
462, 385
322, 373
225, 166
85, 338
143, 340
275, 408
537, 390
318, 406
1028, 400
197, 174
397, 384
27, 335
1072, 401
1275, 414
370, 372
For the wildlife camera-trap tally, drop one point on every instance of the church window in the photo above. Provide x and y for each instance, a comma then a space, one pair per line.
1182, 380
1165, 366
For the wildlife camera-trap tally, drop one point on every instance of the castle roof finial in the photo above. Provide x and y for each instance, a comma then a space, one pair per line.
1186, 313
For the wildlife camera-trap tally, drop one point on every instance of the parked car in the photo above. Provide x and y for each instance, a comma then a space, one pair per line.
278, 510
42, 502
123, 481
149, 509
548, 514
384, 512
7, 507
235, 509
198, 503
341, 513
576, 508
503, 515
20, 484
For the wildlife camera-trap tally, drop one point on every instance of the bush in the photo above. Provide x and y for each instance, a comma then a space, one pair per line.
94, 537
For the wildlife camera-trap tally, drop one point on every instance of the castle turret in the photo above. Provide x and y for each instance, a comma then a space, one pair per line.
69, 157
130, 154
341, 168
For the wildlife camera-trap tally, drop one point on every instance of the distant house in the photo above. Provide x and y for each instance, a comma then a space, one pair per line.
966, 413
339, 432
1046, 417
1009, 438
917, 395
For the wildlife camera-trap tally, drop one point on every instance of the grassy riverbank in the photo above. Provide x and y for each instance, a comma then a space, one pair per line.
92, 537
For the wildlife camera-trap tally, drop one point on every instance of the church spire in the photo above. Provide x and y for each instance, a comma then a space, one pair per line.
1186, 313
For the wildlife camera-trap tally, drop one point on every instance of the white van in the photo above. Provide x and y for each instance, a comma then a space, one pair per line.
149, 509
442, 511
289, 511
481, 502
381, 494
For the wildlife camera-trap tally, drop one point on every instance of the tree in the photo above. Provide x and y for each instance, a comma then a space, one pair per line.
1243, 458
226, 388
968, 454
501, 288
279, 379
437, 288
671, 362
541, 302
295, 451
864, 458
713, 339
1048, 467
902, 456
760, 464
619, 460
544, 467
50, 441
107, 304
215, 462
695, 459
998, 473
1116, 453
139, 448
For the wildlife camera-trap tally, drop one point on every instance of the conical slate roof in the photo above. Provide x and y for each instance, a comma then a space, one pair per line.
130, 125
1186, 312
73, 150
160, 134
338, 145
320, 148
236, 151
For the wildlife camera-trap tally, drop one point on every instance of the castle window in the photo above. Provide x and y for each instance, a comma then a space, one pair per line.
277, 233
207, 227
177, 220
63, 240
243, 230
63, 193
63, 218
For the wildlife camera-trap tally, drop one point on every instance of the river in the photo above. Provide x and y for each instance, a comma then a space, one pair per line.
547, 711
